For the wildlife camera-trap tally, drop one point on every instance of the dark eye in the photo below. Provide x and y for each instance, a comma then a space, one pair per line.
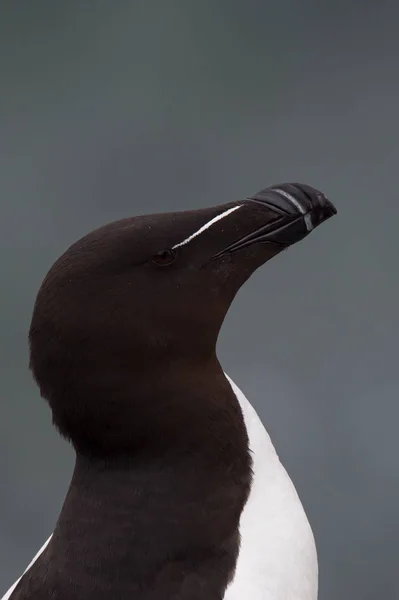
164, 257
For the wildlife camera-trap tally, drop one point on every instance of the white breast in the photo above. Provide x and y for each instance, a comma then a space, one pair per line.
12, 588
277, 559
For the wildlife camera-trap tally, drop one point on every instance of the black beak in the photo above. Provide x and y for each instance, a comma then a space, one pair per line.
298, 209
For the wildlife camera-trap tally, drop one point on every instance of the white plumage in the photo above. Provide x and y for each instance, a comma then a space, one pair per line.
277, 559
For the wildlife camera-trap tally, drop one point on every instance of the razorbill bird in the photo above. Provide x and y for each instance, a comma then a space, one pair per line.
177, 491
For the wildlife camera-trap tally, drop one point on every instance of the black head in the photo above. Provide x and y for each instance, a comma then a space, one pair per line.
136, 300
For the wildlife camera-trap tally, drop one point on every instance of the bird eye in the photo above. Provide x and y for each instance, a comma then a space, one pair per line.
164, 257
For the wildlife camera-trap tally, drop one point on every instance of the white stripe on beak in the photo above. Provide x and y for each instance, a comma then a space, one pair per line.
294, 201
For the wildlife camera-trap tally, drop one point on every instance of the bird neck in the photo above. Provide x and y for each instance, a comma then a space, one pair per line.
156, 525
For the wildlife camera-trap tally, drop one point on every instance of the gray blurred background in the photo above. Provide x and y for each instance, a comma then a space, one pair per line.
109, 109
